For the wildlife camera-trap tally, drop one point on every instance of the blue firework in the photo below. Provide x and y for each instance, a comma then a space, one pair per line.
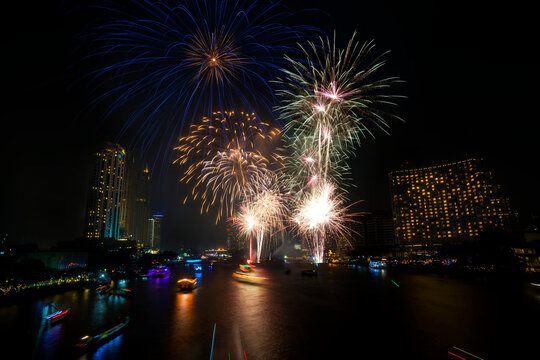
173, 62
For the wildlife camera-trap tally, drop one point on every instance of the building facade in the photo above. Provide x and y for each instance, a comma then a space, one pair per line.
378, 230
105, 194
155, 231
138, 204
445, 203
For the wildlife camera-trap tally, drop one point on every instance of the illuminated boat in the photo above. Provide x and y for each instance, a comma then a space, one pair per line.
246, 273
196, 263
159, 271
113, 289
187, 284
377, 264
247, 268
103, 334
56, 316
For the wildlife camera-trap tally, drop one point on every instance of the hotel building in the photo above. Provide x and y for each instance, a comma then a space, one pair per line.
106, 191
445, 203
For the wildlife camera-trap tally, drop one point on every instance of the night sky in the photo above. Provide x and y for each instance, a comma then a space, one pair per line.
470, 76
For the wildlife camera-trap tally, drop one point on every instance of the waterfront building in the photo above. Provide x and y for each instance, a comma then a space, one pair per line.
378, 230
155, 231
105, 194
138, 204
445, 203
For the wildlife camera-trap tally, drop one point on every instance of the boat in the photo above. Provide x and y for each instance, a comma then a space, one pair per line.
102, 334
187, 284
246, 273
113, 288
55, 314
377, 264
159, 271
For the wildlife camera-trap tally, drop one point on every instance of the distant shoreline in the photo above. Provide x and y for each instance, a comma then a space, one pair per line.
35, 293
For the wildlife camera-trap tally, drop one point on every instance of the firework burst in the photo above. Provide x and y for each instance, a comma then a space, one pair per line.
262, 215
225, 157
337, 90
223, 130
320, 214
227, 177
331, 100
175, 61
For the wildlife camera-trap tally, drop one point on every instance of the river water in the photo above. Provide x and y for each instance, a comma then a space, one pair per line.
344, 312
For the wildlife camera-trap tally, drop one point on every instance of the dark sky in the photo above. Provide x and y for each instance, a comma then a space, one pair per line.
470, 76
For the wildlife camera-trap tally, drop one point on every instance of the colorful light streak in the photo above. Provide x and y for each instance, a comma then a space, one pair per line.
459, 357
58, 314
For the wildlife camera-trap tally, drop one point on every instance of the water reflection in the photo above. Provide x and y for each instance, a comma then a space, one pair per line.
290, 317
250, 330
378, 273
109, 350
199, 277
50, 341
98, 314
159, 283
184, 311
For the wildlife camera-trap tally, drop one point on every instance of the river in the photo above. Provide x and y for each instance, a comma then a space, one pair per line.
344, 312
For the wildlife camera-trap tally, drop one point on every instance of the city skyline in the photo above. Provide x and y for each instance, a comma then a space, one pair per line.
464, 96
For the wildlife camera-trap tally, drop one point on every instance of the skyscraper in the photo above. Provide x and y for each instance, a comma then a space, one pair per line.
155, 231
378, 230
137, 204
454, 201
105, 193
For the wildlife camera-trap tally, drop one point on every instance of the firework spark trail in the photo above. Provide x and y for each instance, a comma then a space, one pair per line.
175, 61
320, 214
271, 207
223, 130
223, 157
263, 213
333, 98
229, 176
330, 101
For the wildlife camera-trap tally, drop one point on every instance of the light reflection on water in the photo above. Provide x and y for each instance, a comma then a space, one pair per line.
292, 316
182, 329
51, 339
378, 273
109, 350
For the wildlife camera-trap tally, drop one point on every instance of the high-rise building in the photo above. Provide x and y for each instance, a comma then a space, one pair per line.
137, 204
450, 202
155, 231
235, 243
105, 193
378, 230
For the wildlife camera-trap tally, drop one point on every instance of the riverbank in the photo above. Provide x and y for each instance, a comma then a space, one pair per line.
17, 294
